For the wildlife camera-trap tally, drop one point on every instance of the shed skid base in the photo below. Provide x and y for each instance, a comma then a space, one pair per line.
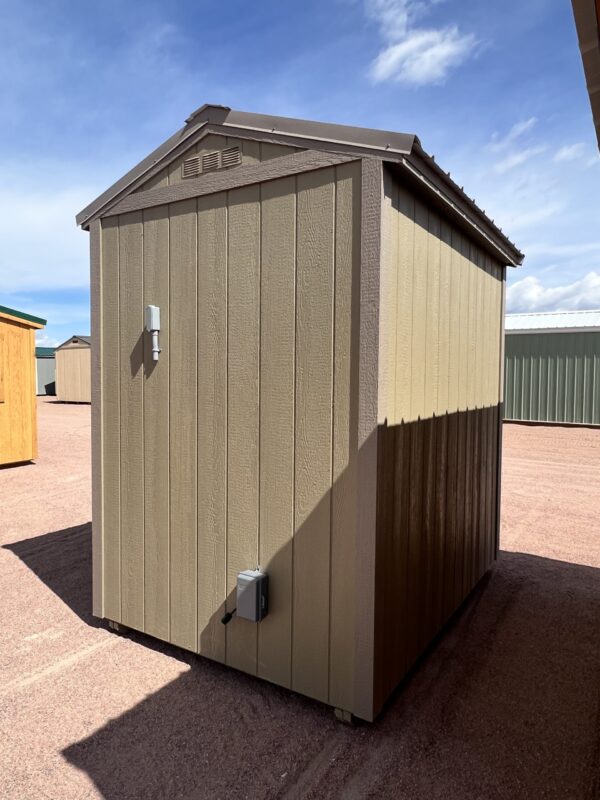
346, 717
116, 626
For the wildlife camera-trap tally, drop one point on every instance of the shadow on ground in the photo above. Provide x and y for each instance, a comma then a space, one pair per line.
504, 704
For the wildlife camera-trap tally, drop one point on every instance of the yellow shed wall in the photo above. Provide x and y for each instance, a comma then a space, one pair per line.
18, 425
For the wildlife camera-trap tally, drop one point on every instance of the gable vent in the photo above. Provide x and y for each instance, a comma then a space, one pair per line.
230, 157
191, 167
211, 161
219, 159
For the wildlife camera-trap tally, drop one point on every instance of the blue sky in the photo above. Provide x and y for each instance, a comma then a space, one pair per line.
494, 90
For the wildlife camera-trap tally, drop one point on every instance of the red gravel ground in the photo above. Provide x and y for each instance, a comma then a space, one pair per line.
505, 704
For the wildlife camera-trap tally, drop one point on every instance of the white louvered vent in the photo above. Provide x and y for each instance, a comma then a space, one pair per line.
219, 159
192, 167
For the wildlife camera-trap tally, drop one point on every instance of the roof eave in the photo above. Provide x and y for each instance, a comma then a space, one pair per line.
587, 22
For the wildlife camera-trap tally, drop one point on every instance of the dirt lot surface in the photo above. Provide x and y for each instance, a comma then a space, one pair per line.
505, 704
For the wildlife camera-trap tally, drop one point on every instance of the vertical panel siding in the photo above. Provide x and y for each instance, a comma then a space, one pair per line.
314, 384
439, 342
249, 421
131, 326
243, 337
438, 437
73, 374
553, 377
345, 436
183, 424
427, 566
156, 429
111, 412
18, 424
278, 333
212, 423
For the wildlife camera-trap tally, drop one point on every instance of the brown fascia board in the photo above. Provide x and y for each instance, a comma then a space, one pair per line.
587, 22
387, 145
424, 173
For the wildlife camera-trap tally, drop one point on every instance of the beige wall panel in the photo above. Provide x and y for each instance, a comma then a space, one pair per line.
462, 267
250, 149
212, 423
405, 283
419, 312
432, 319
388, 311
111, 411
243, 411
131, 325
183, 424
250, 416
156, 428
345, 435
277, 380
471, 323
446, 357
269, 150
314, 379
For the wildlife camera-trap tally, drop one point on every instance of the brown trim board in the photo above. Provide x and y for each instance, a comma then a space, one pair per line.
372, 194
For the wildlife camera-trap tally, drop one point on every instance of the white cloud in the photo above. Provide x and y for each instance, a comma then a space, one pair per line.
570, 152
518, 157
499, 143
423, 56
415, 56
529, 294
43, 340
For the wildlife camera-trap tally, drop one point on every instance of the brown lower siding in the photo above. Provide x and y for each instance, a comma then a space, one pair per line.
437, 526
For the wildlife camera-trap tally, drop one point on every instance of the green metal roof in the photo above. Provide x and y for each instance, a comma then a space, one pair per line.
44, 352
22, 315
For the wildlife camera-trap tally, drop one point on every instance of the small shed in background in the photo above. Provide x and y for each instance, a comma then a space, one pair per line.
18, 413
326, 402
552, 369
45, 371
73, 370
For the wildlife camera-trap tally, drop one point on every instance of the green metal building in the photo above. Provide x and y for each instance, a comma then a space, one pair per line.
552, 368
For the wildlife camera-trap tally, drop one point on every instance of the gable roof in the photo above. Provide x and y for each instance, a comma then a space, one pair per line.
21, 316
553, 321
44, 352
402, 149
76, 338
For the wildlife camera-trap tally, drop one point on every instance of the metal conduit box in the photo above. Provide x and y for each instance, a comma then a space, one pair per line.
327, 401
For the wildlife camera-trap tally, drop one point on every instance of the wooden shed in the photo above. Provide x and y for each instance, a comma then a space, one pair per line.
73, 370
326, 404
18, 412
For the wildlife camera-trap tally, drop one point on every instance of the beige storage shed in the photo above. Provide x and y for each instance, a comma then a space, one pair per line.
73, 370
326, 403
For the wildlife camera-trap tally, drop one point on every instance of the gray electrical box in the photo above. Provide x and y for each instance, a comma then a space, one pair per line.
252, 595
